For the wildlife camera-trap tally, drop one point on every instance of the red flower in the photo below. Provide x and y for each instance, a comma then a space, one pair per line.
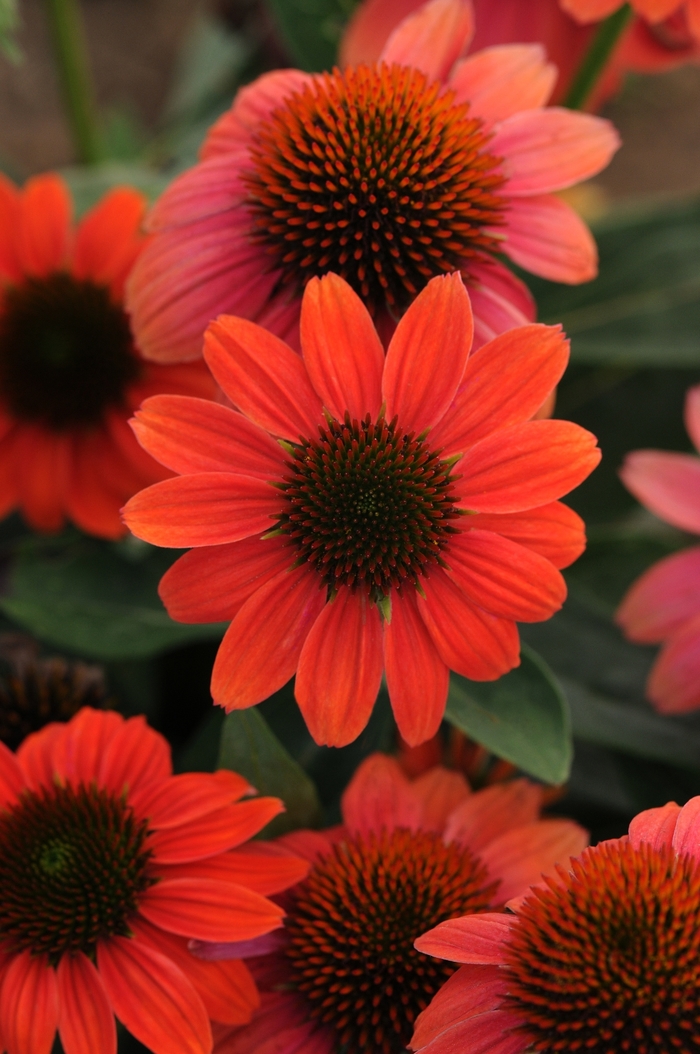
344, 974
404, 521
603, 955
108, 865
70, 376
388, 175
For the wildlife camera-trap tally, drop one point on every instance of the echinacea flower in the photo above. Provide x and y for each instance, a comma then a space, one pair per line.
70, 374
109, 864
663, 605
365, 512
601, 956
343, 974
386, 174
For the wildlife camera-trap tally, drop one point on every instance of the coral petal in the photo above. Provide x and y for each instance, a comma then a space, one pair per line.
667, 484
471, 991
252, 104
379, 797
215, 832
674, 683
134, 757
522, 855
554, 531
655, 826
432, 38
209, 910
265, 867
502, 80
86, 1022
545, 236
440, 791
471, 939
686, 833
187, 797
492, 811
663, 599
416, 676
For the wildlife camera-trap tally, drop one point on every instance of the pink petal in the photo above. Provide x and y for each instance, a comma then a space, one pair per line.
153, 998
662, 599
655, 826
554, 531
263, 377
489, 813
433, 38
674, 683
545, 236
252, 104
416, 676
197, 435
29, 1005
520, 857
212, 584
207, 508
471, 991
500, 301
379, 798
550, 149
472, 939
686, 834
502, 80
86, 1022
341, 349
691, 415
340, 669
261, 649
667, 484
428, 354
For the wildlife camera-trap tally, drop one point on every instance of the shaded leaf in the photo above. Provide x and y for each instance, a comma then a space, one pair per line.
311, 29
89, 184
208, 66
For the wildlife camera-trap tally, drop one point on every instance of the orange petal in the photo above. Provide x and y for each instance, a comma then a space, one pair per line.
440, 792
211, 584
416, 676
265, 867
86, 1022
136, 755
84, 744
42, 469
198, 435
108, 240
181, 799
341, 349
261, 648
215, 832
471, 939
208, 910
340, 669
207, 508
29, 1005
491, 812
379, 797
554, 531
36, 755
153, 998
263, 377
433, 38
521, 856
501, 80
428, 354
44, 235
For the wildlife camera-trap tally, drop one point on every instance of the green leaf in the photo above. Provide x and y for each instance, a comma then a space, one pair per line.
644, 307
311, 29
523, 717
89, 184
249, 746
9, 23
209, 66
95, 598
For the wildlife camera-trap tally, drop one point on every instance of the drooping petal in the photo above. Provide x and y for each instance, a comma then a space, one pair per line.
469, 640
189, 796
472, 939
197, 435
546, 150
545, 236
525, 466
213, 833
107, 239
522, 855
153, 998
674, 683
502, 80
340, 669
209, 910
433, 38
86, 1022
667, 484
261, 649
505, 384
662, 599
554, 531
211, 584
416, 676
428, 354
489, 813
379, 797
263, 377
43, 237
655, 826
29, 1005
207, 508
341, 349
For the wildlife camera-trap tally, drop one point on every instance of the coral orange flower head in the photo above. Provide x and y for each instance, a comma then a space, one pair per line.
109, 864
70, 375
602, 955
663, 605
343, 974
365, 512
386, 174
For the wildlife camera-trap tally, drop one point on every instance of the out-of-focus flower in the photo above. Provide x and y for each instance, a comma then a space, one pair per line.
70, 375
663, 606
412, 516
343, 974
655, 12
379, 174
643, 47
603, 955
108, 865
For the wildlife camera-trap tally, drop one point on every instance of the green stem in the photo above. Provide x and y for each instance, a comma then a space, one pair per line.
76, 82
596, 58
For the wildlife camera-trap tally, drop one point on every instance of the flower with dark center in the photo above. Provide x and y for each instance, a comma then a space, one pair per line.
362, 512
386, 174
70, 373
108, 865
603, 956
345, 975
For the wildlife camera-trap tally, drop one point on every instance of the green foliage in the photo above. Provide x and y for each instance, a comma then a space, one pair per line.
311, 29
249, 746
88, 185
523, 717
9, 22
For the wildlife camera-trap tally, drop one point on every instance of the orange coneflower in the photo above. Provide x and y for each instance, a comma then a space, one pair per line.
108, 865
343, 974
70, 374
405, 520
601, 956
